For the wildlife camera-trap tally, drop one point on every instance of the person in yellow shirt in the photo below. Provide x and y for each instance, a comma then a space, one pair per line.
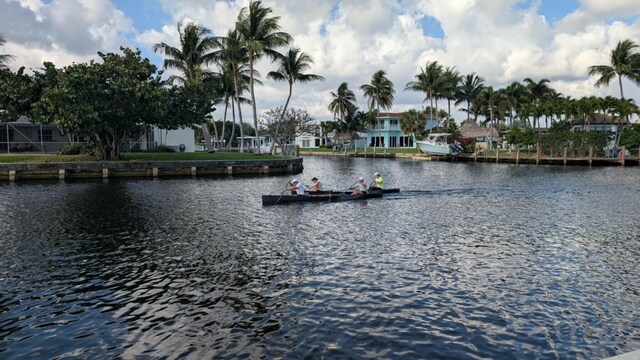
377, 183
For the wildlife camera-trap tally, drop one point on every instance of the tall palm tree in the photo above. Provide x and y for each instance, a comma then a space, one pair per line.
380, 93
193, 56
290, 69
625, 62
537, 92
4, 58
231, 58
468, 90
190, 59
429, 80
452, 77
260, 35
343, 102
514, 94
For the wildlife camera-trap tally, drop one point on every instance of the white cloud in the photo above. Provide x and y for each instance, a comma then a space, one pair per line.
501, 40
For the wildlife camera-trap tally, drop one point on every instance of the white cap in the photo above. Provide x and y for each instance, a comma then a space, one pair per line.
376, 174
360, 178
294, 180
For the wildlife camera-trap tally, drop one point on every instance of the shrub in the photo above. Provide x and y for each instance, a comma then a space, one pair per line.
72, 149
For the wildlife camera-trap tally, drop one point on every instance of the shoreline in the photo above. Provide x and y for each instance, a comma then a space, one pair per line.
12, 172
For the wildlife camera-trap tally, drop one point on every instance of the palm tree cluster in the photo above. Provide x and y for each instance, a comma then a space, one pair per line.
4, 58
256, 36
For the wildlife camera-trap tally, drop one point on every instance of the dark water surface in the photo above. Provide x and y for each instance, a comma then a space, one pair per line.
472, 261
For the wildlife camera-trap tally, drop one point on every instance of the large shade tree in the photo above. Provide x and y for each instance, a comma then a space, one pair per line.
106, 102
260, 34
625, 63
380, 94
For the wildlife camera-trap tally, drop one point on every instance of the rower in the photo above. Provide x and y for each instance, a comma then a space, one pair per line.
296, 187
315, 185
360, 187
377, 183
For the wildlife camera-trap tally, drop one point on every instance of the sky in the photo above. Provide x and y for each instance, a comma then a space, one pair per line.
349, 40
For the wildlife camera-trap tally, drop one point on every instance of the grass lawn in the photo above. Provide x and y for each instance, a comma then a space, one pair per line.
135, 156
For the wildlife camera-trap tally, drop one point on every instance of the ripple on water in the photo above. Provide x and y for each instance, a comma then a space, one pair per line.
472, 261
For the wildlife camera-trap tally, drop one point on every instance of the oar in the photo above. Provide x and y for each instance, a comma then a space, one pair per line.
283, 191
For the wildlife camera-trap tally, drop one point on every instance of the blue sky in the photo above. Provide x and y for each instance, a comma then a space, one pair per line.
349, 40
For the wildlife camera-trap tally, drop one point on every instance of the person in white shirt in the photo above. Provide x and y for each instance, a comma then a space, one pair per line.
296, 187
359, 187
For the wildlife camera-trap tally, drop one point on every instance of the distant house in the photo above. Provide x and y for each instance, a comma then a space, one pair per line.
23, 135
389, 133
312, 139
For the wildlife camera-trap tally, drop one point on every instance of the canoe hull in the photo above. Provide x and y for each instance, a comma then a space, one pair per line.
383, 191
331, 197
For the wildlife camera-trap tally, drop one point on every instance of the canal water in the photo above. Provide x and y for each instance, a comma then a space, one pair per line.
468, 261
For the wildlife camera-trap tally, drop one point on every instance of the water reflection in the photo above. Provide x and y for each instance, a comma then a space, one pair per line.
471, 260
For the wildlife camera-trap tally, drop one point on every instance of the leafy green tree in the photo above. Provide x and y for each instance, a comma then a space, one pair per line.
380, 93
105, 102
631, 137
260, 35
412, 123
625, 62
291, 68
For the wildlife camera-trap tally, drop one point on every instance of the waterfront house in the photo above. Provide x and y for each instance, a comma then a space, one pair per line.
389, 134
23, 135
311, 139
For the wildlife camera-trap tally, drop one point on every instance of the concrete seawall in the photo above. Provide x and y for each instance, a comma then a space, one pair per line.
108, 169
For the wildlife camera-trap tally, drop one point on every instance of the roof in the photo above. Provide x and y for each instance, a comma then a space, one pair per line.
470, 128
399, 115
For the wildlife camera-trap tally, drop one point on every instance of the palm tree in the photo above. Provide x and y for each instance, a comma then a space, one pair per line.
380, 93
231, 58
4, 58
193, 56
625, 62
514, 94
343, 102
470, 87
430, 80
191, 59
537, 92
452, 77
291, 68
259, 34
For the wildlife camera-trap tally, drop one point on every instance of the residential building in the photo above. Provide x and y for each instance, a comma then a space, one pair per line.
389, 134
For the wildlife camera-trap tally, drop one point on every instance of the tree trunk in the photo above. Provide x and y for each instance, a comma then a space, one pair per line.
253, 101
224, 119
207, 136
233, 124
235, 85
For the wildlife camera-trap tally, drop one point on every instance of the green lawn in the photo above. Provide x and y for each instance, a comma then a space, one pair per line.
137, 156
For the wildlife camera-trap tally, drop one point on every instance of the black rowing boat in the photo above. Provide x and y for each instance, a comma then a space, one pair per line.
377, 191
329, 197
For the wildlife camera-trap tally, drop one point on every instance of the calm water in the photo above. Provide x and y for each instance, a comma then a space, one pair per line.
472, 261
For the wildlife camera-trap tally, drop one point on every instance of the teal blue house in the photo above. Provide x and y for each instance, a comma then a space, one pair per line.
389, 135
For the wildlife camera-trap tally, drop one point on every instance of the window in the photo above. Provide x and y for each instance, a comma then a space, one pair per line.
45, 135
393, 123
306, 143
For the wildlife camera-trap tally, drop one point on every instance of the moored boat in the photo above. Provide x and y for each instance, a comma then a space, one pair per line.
330, 197
436, 144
